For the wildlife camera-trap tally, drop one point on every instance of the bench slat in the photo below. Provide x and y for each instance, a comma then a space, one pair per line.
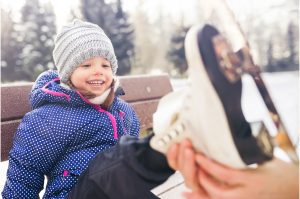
14, 101
145, 87
8, 130
145, 111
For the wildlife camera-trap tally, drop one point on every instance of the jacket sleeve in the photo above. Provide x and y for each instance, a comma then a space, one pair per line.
35, 150
135, 124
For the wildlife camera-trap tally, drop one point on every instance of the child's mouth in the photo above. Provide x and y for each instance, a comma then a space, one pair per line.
96, 82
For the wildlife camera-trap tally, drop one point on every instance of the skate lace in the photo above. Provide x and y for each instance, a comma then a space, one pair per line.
172, 135
176, 132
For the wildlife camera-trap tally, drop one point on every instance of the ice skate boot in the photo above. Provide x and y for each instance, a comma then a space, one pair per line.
208, 111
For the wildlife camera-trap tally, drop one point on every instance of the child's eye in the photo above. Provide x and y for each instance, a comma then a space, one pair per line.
86, 65
106, 66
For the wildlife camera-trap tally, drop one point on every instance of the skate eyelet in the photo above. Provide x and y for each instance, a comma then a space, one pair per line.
181, 127
167, 138
161, 143
174, 133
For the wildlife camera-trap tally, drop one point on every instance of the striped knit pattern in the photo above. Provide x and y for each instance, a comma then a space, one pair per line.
78, 42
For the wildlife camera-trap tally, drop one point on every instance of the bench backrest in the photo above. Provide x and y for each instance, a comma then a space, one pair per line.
142, 92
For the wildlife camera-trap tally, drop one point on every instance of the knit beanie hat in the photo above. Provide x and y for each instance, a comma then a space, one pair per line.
78, 42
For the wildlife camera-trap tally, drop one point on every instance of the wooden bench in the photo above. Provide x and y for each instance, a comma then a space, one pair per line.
142, 92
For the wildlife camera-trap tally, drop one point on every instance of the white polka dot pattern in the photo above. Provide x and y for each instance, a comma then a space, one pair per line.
58, 139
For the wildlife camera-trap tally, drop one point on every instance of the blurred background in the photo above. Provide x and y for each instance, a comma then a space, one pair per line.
148, 35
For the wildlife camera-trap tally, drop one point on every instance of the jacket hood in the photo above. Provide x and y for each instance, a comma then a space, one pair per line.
47, 89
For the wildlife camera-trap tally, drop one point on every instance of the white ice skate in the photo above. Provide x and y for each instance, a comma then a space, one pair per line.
208, 111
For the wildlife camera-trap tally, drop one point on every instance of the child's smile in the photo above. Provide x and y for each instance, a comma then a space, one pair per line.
96, 82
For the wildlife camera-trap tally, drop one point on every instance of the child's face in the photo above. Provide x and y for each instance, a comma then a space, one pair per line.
92, 77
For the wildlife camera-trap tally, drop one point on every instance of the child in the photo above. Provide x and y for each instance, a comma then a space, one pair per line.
75, 116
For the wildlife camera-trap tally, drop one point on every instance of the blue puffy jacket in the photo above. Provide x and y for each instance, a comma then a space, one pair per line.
59, 137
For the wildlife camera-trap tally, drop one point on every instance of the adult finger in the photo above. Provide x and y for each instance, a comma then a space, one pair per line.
189, 170
172, 156
194, 195
185, 144
213, 187
218, 171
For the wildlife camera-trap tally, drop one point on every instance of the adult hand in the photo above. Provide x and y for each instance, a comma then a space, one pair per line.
208, 179
274, 179
182, 157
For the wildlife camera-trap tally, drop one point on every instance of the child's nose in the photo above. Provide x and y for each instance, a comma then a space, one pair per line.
98, 70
